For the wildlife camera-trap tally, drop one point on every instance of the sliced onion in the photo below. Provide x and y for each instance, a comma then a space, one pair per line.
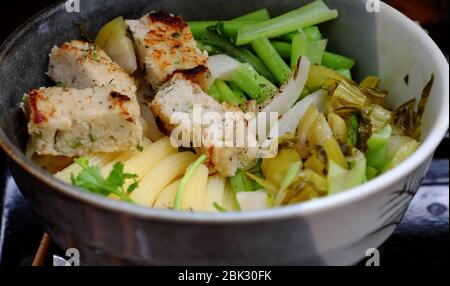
289, 122
291, 91
286, 96
222, 67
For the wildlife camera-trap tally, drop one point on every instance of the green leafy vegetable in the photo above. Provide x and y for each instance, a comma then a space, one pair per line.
377, 153
406, 119
91, 179
340, 179
212, 38
352, 130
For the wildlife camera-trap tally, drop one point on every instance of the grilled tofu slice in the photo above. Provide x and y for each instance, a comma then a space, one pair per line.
180, 95
79, 64
165, 46
73, 122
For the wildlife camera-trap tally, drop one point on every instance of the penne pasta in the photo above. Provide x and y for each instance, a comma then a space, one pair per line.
215, 192
143, 162
125, 156
167, 197
161, 175
195, 194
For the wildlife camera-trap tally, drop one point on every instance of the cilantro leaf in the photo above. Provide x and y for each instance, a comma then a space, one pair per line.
91, 179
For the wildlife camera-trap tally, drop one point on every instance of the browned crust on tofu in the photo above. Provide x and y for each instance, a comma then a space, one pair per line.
175, 21
120, 100
199, 74
35, 96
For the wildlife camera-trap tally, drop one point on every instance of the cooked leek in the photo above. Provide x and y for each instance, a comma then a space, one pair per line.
310, 14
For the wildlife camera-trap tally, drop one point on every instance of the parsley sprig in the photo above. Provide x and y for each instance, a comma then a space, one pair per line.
91, 179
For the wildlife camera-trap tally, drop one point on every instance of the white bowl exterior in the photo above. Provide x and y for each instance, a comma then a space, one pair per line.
403, 50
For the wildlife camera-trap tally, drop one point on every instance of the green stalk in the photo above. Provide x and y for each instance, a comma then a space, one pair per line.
309, 15
214, 92
312, 33
345, 72
261, 14
231, 28
272, 59
199, 27
211, 38
187, 177
237, 90
302, 47
298, 48
337, 62
227, 95
255, 85
283, 48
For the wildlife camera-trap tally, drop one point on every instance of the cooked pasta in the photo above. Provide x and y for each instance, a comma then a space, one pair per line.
161, 175
167, 197
215, 192
195, 193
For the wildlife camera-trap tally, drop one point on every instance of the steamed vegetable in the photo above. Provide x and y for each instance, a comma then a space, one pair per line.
406, 119
377, 153
312, 33
227, 94
213, 39
254, 84
272, 59
337, 62
113, 39
91, 179
308, 15
222, 66
340, 179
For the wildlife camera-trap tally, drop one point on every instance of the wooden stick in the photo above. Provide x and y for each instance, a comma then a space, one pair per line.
41, 253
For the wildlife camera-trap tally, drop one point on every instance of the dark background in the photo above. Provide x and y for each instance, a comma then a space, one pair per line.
421, 238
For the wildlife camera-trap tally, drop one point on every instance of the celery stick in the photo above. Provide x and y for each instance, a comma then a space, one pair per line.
214, 92
298, 48
313, 50
255, 85
345, 72
377, 153
272, 59
231, 28
312, 33
334, 61
213, 39
227, 95
311, 14
199, 27
371, 173
283, 48
237, 90
261, 14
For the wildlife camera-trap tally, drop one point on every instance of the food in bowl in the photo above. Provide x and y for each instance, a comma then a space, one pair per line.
105, 126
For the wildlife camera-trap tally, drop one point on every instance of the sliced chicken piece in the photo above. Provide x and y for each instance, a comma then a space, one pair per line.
180, 95
165, 46
74, 122
79, 64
